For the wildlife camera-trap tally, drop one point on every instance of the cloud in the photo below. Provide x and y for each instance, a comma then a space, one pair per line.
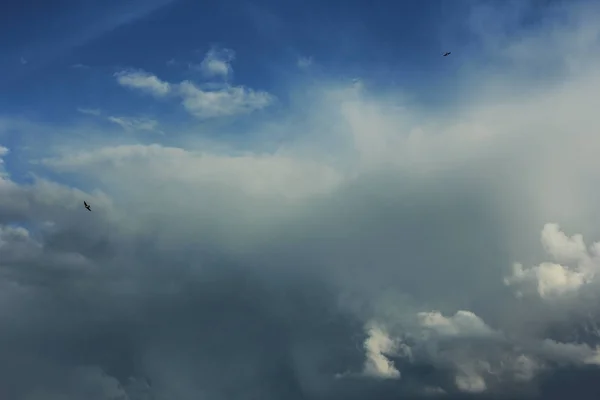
89, 111
224, 101
259, 176
231, 100
143, 81
3, 152
377, 345
129, 124
304, 62
135, 124
217, 63
373, 242
551, 280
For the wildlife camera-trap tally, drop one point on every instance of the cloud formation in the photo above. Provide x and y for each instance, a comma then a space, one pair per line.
3, 153
224, 101
369, 257
217, 63
89, 111
143, 81
135, 124
551, 280
304, 62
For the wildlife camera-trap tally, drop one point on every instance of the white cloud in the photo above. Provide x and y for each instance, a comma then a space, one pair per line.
135, 124
89, 111
477, 355
231, 100
304, 62
551, 280
217, 63
3, 152
127, 123
257, 175
11, 236
144, 82
378, 345
463, 323
570, 353
223, 101
561, 247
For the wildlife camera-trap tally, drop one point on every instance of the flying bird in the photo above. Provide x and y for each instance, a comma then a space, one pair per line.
447, 53
87, 206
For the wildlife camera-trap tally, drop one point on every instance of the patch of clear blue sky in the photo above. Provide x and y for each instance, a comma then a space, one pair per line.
386, 43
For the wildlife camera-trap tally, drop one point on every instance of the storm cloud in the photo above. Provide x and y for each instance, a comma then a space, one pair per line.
381, 253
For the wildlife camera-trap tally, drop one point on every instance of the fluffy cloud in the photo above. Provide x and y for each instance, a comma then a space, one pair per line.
377, 244
224, 101
556, 280
377, 365
143, 81
217, 63
228, 101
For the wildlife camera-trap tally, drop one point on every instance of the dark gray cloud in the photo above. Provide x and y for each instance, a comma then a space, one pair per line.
90, 309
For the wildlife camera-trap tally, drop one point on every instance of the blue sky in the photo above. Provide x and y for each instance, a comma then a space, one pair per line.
299, 199
388, 44
62, 58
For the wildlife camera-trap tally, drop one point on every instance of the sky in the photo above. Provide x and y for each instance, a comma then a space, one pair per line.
299, 200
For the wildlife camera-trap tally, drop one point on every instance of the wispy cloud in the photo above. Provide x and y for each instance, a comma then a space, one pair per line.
304, 62
223, 101
129, 124
135, 124
228, 101
217, 63
89, 111
80, 66
3, 152
143, 81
